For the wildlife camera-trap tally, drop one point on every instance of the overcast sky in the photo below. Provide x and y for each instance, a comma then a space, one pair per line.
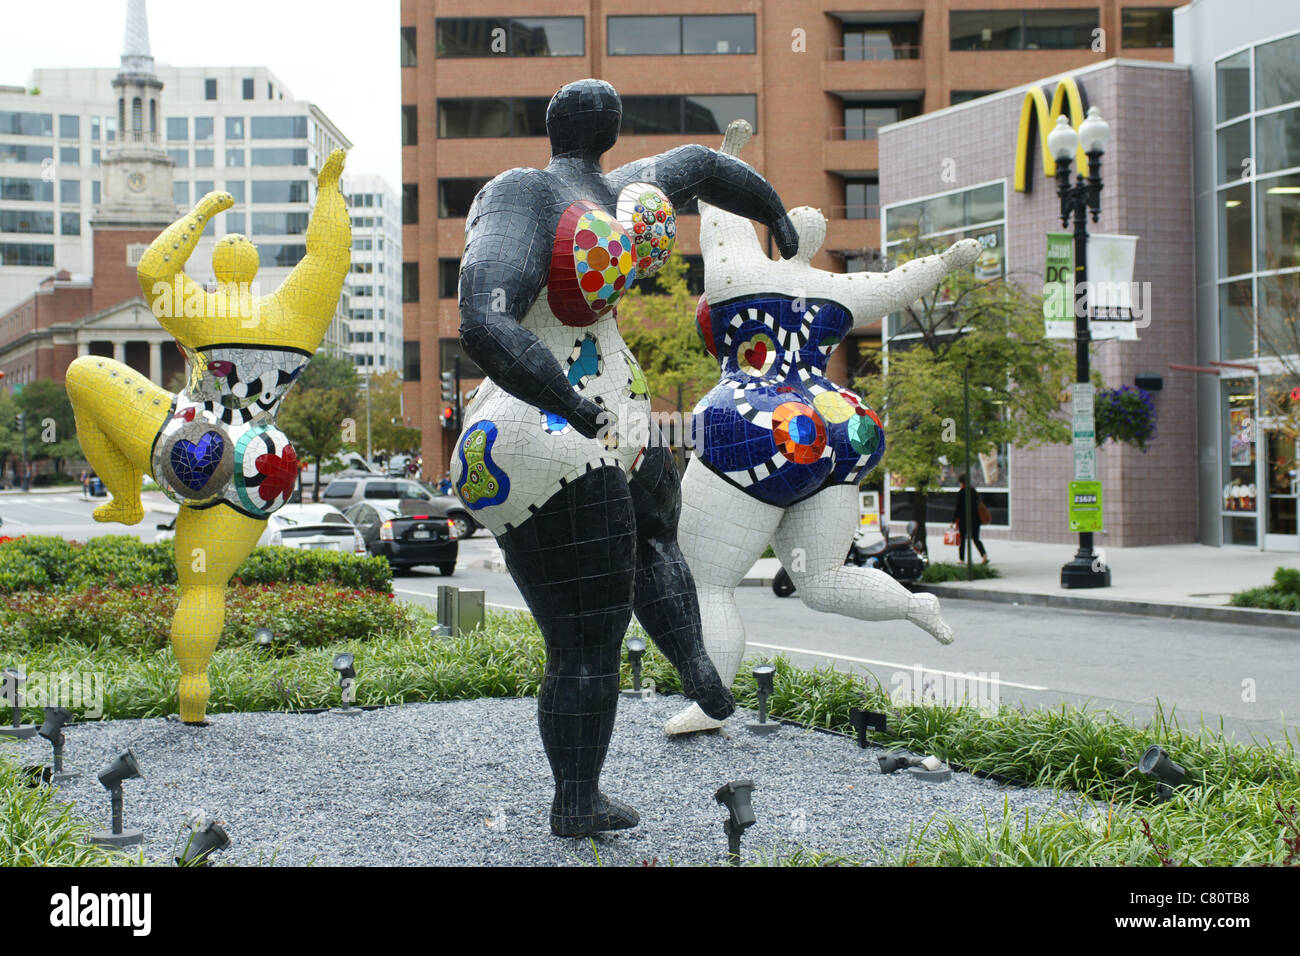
339, 54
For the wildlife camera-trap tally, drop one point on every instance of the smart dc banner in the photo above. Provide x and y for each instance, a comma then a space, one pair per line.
1058, 287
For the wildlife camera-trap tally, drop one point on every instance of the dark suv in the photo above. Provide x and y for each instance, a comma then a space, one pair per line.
347, 490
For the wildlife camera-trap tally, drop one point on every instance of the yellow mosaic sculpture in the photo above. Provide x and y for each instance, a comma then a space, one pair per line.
214, 447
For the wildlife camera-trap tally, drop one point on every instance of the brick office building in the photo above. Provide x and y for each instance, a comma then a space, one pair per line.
815, 79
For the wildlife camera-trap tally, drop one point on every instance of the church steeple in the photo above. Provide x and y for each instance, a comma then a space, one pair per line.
136, 57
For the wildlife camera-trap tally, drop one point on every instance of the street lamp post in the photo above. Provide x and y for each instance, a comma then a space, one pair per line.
1077, 201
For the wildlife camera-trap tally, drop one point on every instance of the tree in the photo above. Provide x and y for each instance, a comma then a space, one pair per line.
51, 427
659, 327
319, 413
994, 329
388, 433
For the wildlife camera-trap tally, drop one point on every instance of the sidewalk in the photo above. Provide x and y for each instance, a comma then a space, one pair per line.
1190, 581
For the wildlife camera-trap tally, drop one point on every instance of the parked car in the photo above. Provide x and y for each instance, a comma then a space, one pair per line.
407, 534
347, 490
310, 527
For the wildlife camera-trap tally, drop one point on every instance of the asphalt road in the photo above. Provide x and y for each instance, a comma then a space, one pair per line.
1247, 677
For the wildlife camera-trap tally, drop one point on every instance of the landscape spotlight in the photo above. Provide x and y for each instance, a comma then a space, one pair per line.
344, 667
764, 677
864, 720
206, 837
1156, 764
13, 680
635, 651
893, 762
264, 638
52, 730
736, 797
123, 767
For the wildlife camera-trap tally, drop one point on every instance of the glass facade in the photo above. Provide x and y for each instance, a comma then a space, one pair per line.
678, 35
1023, 29
502, 36
1257, 140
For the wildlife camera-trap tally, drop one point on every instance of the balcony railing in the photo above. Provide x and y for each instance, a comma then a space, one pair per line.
853, 132
860, 211
137, 136
873, 54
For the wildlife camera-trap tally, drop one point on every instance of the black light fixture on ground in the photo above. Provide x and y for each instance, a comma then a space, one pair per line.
864, 720
1078, 200
635, 651
52, 730
737, 798
765, 678
893, 762
13, 681
206, 836
344, 666
123, 767
1158, 765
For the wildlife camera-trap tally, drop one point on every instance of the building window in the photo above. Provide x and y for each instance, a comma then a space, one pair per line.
506, 36
69, 127
410, 203
36, 223
449, 350
407, 47
234, 127
278, 127
862, 120
409, 126
209, 89
1276, 81
487, 117
455, 196
881, 41
1148, 27
26, 190
202, 187
94, 157
279, 223
1022, 29
675, 115
70, 224
178, 128
181, 157
448, 278
236, 189
677, 35
284, 255
26, 254
280, 156
13, 153
234, 157
861, 198
410, 282
411, 361
248, 88
94, 192
26, 124
70, 190
965, 96
181, 193
203, 129
279, 190
203, 158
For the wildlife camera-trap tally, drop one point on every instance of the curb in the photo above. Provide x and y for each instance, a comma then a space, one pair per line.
1186, 612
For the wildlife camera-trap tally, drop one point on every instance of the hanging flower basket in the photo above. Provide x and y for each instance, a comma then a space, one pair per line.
1127, 415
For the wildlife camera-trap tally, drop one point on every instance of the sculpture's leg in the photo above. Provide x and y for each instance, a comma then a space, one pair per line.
118, 412
818, 530
210, 545
723, 531
573, 560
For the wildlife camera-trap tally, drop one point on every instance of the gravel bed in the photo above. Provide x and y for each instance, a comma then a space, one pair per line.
467, 783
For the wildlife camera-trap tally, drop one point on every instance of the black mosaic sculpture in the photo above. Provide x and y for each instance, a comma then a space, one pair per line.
583, 504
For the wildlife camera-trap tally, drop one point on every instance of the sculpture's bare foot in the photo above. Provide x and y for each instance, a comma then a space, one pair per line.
701, 683
608, 814
120, 512
692, 720
926, 615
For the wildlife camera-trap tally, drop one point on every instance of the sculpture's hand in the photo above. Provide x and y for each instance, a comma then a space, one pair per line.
213, 203
787, 238
329, 174
592, 420
961, 254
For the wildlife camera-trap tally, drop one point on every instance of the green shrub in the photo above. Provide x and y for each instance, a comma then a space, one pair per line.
1287, 580
941, 571
125, 561
1282, 595
309, 615
38, 829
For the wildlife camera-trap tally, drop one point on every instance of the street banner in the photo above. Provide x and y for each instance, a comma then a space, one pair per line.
1112, 312
1085, 433
1058, 287
1085, 506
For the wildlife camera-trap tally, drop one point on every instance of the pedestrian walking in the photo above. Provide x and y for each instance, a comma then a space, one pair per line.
85, 483
979, 515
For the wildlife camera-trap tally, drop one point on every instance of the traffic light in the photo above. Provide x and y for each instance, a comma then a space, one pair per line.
20, 421
448, 386
451, 418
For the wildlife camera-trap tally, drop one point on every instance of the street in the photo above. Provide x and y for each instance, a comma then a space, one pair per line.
1039, 657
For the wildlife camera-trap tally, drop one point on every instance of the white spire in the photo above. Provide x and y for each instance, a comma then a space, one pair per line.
136, 57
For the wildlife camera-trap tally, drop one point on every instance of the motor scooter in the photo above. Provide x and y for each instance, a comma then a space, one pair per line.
903, 558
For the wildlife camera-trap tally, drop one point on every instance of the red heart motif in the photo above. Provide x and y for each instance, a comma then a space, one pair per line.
279, 472
188, 415
757, 355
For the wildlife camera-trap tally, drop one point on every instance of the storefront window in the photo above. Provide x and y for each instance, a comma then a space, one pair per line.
1240, 493
1234, 231
1232, 84
1234, 151
1236, 321
1279, 222
1277, 80
1279, 315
